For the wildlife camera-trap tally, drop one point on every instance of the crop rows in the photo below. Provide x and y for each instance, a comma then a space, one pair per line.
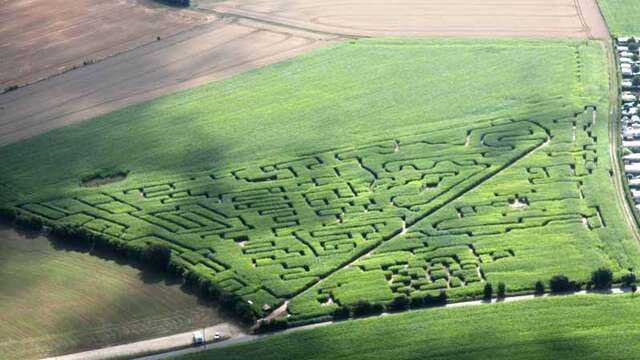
417, 206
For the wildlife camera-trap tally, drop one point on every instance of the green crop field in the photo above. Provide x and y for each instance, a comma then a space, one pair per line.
581, 327
56, 301
364, 170
623, 16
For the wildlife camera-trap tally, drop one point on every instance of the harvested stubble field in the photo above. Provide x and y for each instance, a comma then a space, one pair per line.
209, 52
549, 18
45, 37
56, 299
571, 328
395, 183
623, 16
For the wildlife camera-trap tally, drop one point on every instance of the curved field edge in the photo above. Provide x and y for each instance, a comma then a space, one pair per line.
580, 327
371, 182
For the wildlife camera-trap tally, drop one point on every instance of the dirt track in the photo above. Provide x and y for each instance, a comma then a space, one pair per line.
43, 37
548, 18
208, 52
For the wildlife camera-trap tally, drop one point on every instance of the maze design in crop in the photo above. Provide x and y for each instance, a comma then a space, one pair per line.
402, 215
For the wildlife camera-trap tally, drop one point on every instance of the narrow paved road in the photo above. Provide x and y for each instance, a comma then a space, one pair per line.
171, 346
155, 345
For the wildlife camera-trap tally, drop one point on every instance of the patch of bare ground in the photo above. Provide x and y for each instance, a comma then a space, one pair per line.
45, 37
209, 52
548, 18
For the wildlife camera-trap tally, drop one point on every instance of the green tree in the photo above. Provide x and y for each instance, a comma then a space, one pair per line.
602, 278
488, 292
502, 290
628, 279
559, 284
157, 256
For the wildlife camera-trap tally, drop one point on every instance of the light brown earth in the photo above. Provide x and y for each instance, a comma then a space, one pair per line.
552, 18
39, 38
208, 52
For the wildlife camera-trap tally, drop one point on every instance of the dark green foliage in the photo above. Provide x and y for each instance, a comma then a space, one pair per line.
400, 303
417, 302
181, 3
157, 256
539, 288
365, 308
341, 313
273, 325
602, 278
28, 222
7, 214
487, 292
559, 284
502, 291
628, 279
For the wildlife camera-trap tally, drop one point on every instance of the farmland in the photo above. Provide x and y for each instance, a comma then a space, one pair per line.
623, 16
193, 57
43, 38
584, 327
396, 183
550, 18
57, 299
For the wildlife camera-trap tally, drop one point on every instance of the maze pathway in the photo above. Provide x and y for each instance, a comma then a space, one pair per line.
406, 215
456, 245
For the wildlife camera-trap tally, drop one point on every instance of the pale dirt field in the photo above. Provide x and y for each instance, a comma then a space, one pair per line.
547, 18
39, 38
212, 51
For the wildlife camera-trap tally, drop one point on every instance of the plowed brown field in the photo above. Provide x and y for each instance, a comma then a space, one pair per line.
39, 38
552, 18
205, 53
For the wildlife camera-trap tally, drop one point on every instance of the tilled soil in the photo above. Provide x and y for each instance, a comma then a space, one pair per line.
208, 52
548, 18
39, 38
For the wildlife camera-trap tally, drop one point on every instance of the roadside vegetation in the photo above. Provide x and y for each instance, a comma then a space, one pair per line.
334, 180
580, 327
622, 16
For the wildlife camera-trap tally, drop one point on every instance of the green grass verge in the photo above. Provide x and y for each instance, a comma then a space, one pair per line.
622, 16
449, 163
581, 327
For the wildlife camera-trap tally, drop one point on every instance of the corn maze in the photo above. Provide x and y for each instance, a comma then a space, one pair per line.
414, 214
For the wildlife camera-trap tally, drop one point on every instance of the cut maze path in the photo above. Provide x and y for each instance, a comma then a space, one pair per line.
408, 226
